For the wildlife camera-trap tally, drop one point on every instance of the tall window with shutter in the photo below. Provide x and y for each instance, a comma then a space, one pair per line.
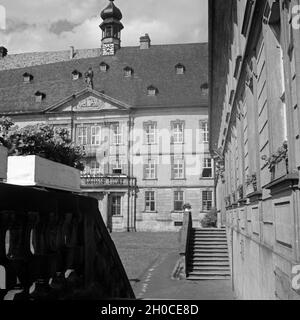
149, 201
207, 167
206, 200
178, 200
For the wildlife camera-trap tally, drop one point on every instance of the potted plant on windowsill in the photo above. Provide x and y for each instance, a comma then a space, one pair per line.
278, 162
42, 155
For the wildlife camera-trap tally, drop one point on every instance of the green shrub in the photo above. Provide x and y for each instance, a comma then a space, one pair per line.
210, 219
41, 140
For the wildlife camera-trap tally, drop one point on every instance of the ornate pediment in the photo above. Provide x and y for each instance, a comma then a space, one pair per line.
92, 103
87, 102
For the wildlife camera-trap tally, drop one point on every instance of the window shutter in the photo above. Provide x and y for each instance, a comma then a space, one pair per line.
156, 167
145, 166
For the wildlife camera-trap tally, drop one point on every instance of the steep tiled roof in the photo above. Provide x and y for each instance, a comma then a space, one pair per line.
154, 66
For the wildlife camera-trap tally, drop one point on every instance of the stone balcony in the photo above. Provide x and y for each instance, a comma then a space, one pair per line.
88, 181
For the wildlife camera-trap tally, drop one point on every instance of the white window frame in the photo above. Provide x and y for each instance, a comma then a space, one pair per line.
95, 136
178, 130
150, 170
150, 201
117, 136
204, 132
178, 168
150, 133
178, 199
116, 207
205, 202
95, 168
207, 164
82, 135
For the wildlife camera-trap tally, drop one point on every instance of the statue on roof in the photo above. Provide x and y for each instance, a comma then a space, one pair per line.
89, 75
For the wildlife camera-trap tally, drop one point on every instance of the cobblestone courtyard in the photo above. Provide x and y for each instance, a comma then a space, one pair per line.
149, 260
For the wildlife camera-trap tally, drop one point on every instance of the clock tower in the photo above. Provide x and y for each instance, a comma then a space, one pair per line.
111, 29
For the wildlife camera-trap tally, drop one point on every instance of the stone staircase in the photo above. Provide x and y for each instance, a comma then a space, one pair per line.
209, 258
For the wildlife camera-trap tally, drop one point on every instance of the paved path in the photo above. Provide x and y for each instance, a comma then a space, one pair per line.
158, 284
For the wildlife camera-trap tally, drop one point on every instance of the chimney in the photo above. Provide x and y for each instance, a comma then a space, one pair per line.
145, 42
72, 52
3, 52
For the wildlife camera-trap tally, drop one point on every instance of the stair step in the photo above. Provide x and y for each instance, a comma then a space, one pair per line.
208, 268
212, 249
210, 254
210, 263
208, 237
210, 231
206, 243
210, 273
203, 278
209, 260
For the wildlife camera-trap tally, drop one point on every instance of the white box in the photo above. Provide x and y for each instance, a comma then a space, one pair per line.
37, 171
3, 163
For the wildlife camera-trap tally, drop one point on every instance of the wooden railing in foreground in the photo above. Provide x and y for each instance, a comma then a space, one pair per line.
55, 246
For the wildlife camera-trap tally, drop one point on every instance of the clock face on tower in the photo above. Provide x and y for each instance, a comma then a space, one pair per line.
108, 49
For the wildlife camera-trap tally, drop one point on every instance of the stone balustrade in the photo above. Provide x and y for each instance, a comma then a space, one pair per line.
102, 180
55, 246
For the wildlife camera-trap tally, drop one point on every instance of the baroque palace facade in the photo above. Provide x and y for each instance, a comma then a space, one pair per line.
140, 112
254, 131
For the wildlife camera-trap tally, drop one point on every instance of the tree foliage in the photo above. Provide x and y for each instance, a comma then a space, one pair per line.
42, 140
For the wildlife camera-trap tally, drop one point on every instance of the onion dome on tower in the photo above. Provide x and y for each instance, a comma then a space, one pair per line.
111, 29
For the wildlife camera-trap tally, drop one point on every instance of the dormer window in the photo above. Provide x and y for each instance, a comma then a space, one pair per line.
180, 68
204, 88
27, 77
128, 72
152, 91
103, 67
76, 75
39, 96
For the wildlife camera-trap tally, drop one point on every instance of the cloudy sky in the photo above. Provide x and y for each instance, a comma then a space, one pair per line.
45, 25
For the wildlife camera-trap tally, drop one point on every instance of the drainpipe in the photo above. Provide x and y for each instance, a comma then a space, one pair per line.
232, 277
128, 171
135, 194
